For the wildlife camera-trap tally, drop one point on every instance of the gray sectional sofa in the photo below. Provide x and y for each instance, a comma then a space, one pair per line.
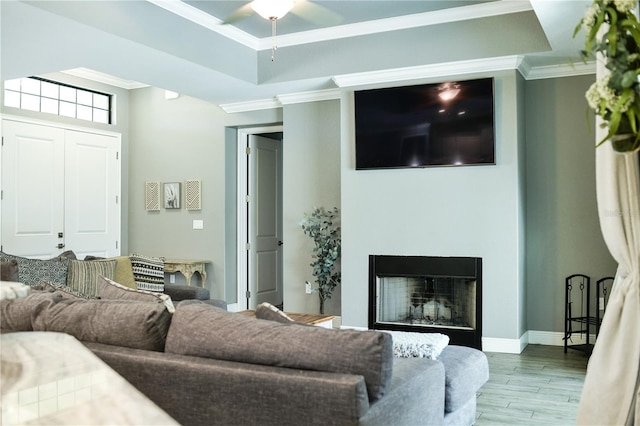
206, 366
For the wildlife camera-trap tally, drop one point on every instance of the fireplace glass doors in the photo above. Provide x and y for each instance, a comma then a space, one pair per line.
427, 294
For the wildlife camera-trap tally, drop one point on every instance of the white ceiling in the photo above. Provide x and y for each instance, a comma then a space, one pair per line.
186, 46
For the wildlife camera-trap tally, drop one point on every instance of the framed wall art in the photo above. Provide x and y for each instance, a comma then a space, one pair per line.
172, 195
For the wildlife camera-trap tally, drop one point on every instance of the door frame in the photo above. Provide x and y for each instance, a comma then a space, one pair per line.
242, 234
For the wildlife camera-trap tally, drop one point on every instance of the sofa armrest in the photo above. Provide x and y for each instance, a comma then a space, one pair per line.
204, 391
416, 395
179, 292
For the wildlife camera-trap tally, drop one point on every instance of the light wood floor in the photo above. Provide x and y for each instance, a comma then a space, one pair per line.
541, 386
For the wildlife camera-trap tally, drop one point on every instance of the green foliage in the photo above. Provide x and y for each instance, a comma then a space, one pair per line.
324, 229
612, 34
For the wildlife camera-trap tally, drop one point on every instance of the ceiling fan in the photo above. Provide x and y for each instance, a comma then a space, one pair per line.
273, 10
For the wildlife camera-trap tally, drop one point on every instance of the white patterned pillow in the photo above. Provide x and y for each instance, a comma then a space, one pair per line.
148, 272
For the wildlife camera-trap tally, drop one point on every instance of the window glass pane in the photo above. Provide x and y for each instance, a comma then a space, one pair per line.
11, 99
12, 84
100, 116
30, 102
67, 109
67, 94
31, 86
100, 101
85, 98
49, 105
49, 90
84, 112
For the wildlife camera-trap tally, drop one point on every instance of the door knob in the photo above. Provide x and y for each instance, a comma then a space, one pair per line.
60, 245
280, 243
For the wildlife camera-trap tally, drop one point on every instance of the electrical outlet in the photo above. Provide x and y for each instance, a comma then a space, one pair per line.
307, 287
172, 279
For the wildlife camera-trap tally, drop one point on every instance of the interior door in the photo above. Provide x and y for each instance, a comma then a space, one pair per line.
33, 189
265, 221
92, 188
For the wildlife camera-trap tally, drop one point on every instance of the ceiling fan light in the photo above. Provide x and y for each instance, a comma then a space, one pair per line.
272, 9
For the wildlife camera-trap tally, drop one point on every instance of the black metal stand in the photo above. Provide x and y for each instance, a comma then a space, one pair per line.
584, 309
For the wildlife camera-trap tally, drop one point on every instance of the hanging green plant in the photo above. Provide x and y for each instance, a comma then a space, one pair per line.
615, 96
324, 229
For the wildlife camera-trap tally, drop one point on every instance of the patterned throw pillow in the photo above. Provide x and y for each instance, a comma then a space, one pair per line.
83, 275
32, 271
148, 272
109, 289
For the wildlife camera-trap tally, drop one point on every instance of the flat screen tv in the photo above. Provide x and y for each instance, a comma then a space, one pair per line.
444, 124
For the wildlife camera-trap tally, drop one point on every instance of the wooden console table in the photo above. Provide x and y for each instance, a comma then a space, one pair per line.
187, 267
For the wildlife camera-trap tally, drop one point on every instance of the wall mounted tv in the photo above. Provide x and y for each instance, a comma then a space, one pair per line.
445, 124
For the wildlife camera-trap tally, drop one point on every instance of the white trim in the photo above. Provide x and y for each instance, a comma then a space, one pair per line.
428, 71
481, 10
509, 346
207, 21
254, 105
463, 13
100, 77
555, 71
311, 96
57, 125
556, 338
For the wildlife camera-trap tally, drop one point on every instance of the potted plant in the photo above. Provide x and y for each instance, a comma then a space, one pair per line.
324, 229
612, 34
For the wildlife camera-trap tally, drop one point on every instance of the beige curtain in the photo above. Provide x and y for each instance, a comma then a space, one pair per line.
610, 394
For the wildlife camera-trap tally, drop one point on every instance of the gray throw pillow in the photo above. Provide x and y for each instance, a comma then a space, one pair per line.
128, 323
9, 270
15, 314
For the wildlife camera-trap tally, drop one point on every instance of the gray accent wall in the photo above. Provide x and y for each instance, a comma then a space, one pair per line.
473, 211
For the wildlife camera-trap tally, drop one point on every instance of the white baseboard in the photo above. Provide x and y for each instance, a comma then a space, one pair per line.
508, 346
556, 338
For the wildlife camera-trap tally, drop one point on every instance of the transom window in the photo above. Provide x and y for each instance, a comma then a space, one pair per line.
39, 94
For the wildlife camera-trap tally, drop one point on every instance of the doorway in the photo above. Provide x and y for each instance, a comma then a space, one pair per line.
260, 217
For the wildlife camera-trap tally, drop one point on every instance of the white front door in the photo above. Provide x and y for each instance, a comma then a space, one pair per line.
92, 188
33, 189
265, 221
60, 191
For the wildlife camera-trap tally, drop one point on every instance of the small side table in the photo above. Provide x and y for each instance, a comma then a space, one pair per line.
187, 267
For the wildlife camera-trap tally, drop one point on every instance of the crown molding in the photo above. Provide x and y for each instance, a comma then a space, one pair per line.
207, 21
350, 81
556, 71
428, 71
254, 105
311, 96
104, 78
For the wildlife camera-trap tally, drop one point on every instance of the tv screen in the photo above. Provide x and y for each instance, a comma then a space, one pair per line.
444, 124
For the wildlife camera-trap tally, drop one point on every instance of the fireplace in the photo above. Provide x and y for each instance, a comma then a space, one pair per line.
429, 295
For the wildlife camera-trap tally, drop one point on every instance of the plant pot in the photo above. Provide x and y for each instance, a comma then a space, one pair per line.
625, 142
